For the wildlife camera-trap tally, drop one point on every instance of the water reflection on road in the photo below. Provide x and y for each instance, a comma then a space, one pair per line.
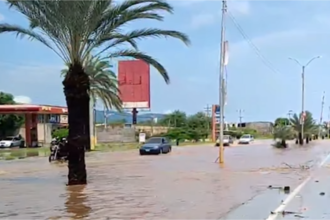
185, 184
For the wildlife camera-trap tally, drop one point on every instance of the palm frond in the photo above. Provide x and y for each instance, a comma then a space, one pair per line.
103, 82
283, 133
75, 29
132, 36
23, 32
309, 123
146, 58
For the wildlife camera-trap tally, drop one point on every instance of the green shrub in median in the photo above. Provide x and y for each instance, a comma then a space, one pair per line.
60, 133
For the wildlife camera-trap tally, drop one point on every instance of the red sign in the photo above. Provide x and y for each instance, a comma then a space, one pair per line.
134, 84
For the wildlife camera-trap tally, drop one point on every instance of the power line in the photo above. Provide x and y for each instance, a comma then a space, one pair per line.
321, 115
257, 51
208, 110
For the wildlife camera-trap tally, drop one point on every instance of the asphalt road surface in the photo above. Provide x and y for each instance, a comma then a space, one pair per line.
186, 184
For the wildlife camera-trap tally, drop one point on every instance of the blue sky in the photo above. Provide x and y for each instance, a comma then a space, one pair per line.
279, 29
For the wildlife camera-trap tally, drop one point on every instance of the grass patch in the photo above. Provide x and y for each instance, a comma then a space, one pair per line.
264, 137
188, 143
9, 158
106, 147
21, 153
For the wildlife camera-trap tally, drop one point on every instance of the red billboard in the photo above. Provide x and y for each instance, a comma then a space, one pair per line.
134, 84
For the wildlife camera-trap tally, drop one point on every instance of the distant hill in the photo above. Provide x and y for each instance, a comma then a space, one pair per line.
116, 116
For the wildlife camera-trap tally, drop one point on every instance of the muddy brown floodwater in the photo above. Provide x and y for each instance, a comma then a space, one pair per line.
185, 184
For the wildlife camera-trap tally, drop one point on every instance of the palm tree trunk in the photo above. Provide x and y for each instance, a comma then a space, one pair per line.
76, 86
301, 140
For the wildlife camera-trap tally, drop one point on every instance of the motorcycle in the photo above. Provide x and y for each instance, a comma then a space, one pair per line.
57, 150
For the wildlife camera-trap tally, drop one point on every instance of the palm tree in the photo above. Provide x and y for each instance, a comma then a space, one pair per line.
309, 126
75, 29
283, 133
325, 128
103, 82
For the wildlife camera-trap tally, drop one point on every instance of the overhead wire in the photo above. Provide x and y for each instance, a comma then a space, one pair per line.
256, 50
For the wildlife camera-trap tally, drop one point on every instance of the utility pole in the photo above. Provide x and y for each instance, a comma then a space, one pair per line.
240, 116
207, 111
221, 82
303, 114
106, 115
321, 116
289, 116
328, 123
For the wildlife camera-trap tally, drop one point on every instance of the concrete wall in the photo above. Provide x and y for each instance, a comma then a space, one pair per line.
153, 130
261, 127
115, 134
44, 132
119, 133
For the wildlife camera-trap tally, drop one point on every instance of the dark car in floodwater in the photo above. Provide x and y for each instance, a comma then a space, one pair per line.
156, 145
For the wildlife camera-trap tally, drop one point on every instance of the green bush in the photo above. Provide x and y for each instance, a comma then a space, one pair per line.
234, 133
60, 133
280, 144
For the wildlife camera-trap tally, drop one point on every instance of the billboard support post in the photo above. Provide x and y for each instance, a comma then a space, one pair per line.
134, 116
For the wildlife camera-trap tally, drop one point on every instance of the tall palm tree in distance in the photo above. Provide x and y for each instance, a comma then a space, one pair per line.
75, 29
310, 126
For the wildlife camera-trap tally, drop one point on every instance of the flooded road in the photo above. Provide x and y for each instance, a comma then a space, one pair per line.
309, 201
185, 184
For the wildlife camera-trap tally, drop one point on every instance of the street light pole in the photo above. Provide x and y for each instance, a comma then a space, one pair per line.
303, 91
302, 103
221, 83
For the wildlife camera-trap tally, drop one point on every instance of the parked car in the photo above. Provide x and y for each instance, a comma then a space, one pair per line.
227, 140
156, 145
246, 139
12, 141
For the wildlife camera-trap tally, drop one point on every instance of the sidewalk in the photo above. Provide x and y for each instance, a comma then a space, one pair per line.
311, 201
304, 199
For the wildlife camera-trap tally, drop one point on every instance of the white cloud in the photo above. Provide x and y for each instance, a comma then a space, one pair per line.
2, 17
239, 7
201, 20
279, 41
22, 99
168, 111
322, 19
41, 82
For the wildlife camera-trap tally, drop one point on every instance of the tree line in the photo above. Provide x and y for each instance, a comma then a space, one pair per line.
9, 123
291, 128
194, 127
183, 127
